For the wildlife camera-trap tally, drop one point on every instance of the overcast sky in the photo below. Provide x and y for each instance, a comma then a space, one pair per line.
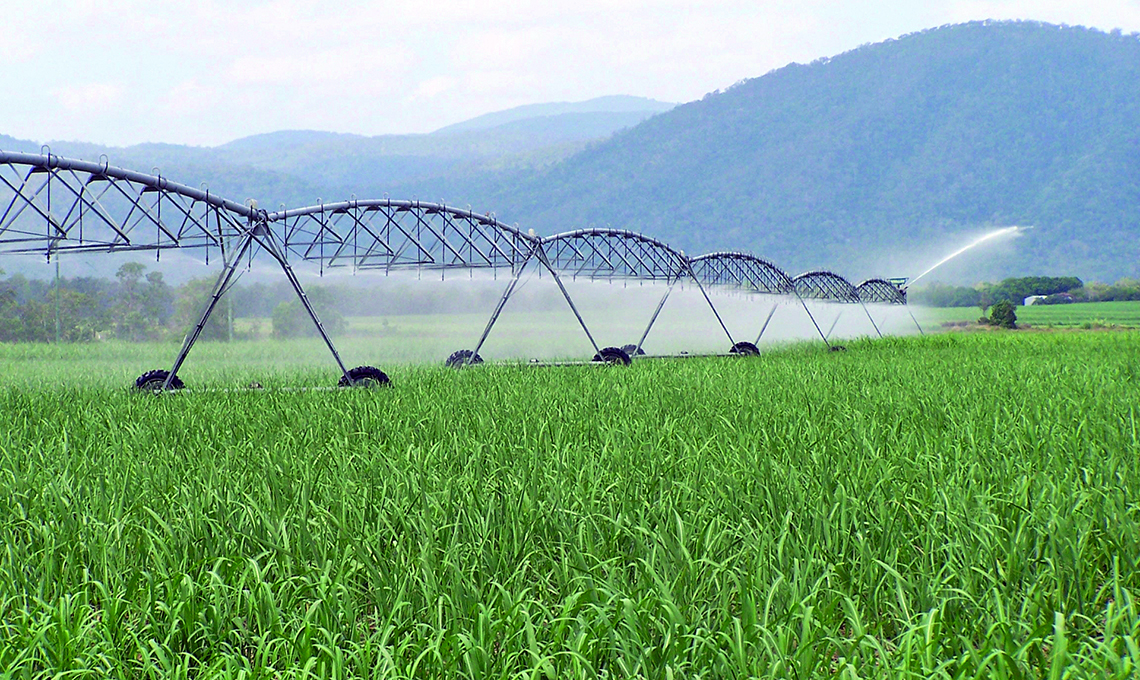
206, 72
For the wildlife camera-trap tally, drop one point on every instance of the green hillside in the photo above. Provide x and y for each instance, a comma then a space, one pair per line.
868, 160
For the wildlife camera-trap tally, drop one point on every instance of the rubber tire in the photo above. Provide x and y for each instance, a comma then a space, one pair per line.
613, 356
462, 357
630, 349
152, 381
745, 348
364, 376
837, 348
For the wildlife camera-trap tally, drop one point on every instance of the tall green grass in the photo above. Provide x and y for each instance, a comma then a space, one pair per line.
950, 506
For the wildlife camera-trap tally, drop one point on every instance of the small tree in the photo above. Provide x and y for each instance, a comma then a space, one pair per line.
1002, 314
290, 320
985, 297
190, 300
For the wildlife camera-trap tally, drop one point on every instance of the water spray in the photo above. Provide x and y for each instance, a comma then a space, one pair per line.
976, 242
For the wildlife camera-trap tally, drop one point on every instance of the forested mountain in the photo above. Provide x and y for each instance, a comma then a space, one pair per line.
294, 167
872, 161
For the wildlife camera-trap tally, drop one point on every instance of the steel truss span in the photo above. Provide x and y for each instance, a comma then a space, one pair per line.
390, 234
50, 205
881, 292
53, 205
825, 285
613, 254
742, 270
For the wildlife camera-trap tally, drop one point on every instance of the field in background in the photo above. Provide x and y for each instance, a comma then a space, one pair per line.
1075, 315
959, 505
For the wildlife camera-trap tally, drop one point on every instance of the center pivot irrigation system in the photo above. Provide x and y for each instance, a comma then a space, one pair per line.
54, 205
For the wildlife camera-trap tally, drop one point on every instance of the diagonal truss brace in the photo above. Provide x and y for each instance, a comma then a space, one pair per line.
257, 234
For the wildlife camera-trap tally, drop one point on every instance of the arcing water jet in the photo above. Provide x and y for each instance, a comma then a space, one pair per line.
976, 242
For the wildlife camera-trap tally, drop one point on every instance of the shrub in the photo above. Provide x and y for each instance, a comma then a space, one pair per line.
1002, 314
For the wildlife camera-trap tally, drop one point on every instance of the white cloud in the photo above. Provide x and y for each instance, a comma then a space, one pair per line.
213, 70
191, 97
433, 87
90, 98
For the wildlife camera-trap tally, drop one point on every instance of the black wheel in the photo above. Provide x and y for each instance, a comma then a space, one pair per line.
364, 376
462, 357
152, 381
632, 350
837, 348
613, 356
746, 349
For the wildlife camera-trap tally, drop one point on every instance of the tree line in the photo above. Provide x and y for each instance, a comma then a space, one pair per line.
1058, 290
138, 305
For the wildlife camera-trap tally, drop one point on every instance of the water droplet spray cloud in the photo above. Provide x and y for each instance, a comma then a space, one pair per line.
1005, 231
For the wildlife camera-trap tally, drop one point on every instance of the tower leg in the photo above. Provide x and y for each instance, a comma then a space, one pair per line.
916, 324
871, 318
813, 321
264, 238
220, 287
834, 323
766, 322
656, 313
697, 280
502, 303
557, 279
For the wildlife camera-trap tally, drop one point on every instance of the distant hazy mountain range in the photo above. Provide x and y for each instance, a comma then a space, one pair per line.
295, 167
873, 162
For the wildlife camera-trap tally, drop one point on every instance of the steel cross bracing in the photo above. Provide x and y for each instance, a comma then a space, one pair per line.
390, 234
613, 254
881, 291
53, 205
50, 204
742, 270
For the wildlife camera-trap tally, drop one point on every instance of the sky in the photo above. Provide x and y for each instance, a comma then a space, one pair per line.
122, 72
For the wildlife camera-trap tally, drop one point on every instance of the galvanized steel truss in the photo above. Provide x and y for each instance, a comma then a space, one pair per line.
390, 234
880, 291
742, 270
53, 205
613, 254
